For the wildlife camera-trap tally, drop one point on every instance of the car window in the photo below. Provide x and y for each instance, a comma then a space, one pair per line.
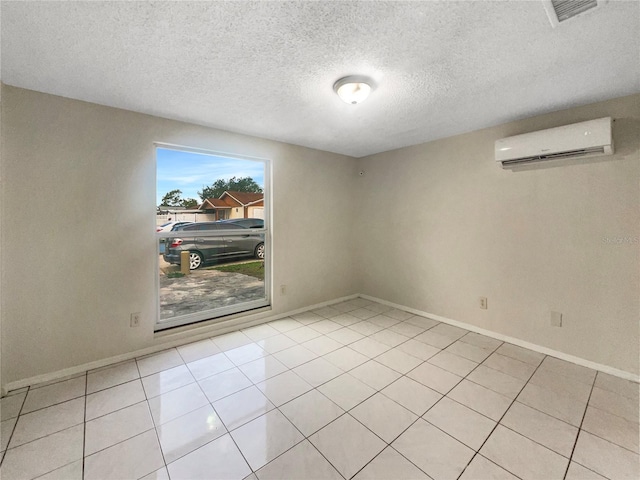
207, 226
245, 223
189, 228
178, 226
230, 226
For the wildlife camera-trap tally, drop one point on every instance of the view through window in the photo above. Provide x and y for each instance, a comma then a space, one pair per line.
213, 235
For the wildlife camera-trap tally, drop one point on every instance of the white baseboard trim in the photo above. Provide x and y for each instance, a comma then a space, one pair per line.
241, 323
167, 341
515, 341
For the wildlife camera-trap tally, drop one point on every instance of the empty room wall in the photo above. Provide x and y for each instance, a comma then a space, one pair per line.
441, 224
432, 227
79, 220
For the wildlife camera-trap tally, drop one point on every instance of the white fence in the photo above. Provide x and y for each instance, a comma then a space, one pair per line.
184, 217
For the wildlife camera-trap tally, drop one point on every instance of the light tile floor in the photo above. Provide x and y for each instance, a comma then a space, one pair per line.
356, 390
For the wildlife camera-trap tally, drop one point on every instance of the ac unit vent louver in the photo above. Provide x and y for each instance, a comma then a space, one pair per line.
583, 152
560, 11
565, 9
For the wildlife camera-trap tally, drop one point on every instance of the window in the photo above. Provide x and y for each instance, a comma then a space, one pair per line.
213, 235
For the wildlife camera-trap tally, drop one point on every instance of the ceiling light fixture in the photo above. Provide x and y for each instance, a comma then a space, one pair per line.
353, 89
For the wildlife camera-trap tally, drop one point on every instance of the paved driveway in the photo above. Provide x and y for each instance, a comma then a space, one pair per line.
204, 290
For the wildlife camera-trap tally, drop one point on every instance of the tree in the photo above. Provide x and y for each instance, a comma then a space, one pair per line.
174, 199
189, 203
243, 184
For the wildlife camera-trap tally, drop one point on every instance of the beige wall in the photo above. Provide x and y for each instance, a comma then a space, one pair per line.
256, 212
71, 279
532, 241
237, 212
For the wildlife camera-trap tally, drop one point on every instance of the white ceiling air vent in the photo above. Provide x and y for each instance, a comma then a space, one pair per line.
579, 140
560, 11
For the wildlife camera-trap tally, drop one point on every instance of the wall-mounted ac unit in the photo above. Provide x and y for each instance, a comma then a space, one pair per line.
579, 140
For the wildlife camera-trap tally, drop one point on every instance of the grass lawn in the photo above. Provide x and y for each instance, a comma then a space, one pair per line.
253, 269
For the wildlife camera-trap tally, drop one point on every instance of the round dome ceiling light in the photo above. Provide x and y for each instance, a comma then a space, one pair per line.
353, 89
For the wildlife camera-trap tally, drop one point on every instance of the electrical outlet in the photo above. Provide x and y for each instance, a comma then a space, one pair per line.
556, 319
483, 303
283, 289
135, 319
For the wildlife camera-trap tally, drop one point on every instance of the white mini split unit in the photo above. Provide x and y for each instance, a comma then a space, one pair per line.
579, 140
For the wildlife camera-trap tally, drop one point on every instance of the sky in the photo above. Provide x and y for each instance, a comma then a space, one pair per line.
189, 172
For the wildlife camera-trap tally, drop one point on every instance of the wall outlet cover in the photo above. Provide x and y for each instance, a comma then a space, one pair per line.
135, 319
483, 303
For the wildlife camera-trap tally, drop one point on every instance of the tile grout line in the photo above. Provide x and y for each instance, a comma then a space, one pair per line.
120, 441
614, 414
53, 404
116, 410
137, 434
316, 388
562, 420
412, 423
344, 412
86, 387
228, 431
609, 441
84, 424
535, 441
389, 328
322, 454
102, 416
153, 422
236, 366
53, 433
436, 403
389, 444
50, 383
584, 414
377, 391
305, 437
61, 466
369, 359
231, 437
24, 400
477, 452
545, 413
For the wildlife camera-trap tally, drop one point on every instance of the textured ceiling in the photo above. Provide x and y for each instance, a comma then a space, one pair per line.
267, 68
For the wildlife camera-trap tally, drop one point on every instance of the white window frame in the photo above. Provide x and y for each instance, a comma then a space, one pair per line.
218, 313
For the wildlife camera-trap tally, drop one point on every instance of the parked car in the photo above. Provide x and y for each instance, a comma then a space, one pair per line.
170, 226
203, 250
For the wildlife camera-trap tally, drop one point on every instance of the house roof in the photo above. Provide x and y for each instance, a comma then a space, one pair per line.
439, 68
244, 198
214, 203
226, 200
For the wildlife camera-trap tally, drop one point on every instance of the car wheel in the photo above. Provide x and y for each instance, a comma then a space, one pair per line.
195, 260
260, 251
